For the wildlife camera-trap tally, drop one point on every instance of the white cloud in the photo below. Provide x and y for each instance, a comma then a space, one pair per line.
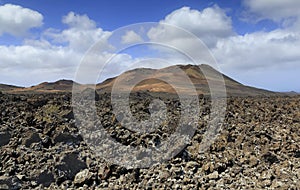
266, 59
55, 55
260, 50
78, 21
131, 37
210, 21
81, 33
262, 59
16, 20
209, 25
248, 58
30, 64
255, 58
276, 10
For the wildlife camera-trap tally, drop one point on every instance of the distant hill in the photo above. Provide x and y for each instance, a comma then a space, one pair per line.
195, 73
6, 87
45, 87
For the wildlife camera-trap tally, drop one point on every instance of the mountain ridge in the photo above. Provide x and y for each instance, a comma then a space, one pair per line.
194, 72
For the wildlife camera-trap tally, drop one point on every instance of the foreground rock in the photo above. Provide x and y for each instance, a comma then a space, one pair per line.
257, 148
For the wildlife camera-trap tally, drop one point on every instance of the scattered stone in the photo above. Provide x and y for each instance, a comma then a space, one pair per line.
4, 187
4, 138
11, 183
37, 102
42, 147
69, 115
70, 166
270, 158
213, 175
31, 138
90, 94
20, 177
253, 161
82, 177
104, 171
45, 178
67, 138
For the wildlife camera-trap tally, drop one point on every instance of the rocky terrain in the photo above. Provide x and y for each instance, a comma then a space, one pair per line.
41, 148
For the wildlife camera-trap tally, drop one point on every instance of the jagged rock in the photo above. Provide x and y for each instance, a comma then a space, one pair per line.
253, 161
67, 138
213, 175
20, 177
90, 94
70, 166
297, 154
31, 138
4, 138
257, 148
4, 186
82, 177
69, 115
270, 158
45, 178
209, 167
37, 102
11, 183
104, 171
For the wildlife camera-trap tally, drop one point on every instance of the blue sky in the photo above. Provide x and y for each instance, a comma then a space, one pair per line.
114, 13
255, 42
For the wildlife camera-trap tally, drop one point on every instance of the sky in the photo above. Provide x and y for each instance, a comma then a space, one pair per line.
256, 42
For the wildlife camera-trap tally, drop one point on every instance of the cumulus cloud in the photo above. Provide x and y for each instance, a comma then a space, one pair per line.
209, 25
131, 37
205, 22
55, 55
81, 33
276, 10
260, 50
16, 20
78, 21
249, 58
276, 50
261, 58
58, 52
31, 64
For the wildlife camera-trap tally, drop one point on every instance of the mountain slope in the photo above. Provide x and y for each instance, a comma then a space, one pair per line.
45, 87
6, 87
155, 82
195, 73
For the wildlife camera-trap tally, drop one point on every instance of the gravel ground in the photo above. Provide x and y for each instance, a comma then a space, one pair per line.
258, 146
